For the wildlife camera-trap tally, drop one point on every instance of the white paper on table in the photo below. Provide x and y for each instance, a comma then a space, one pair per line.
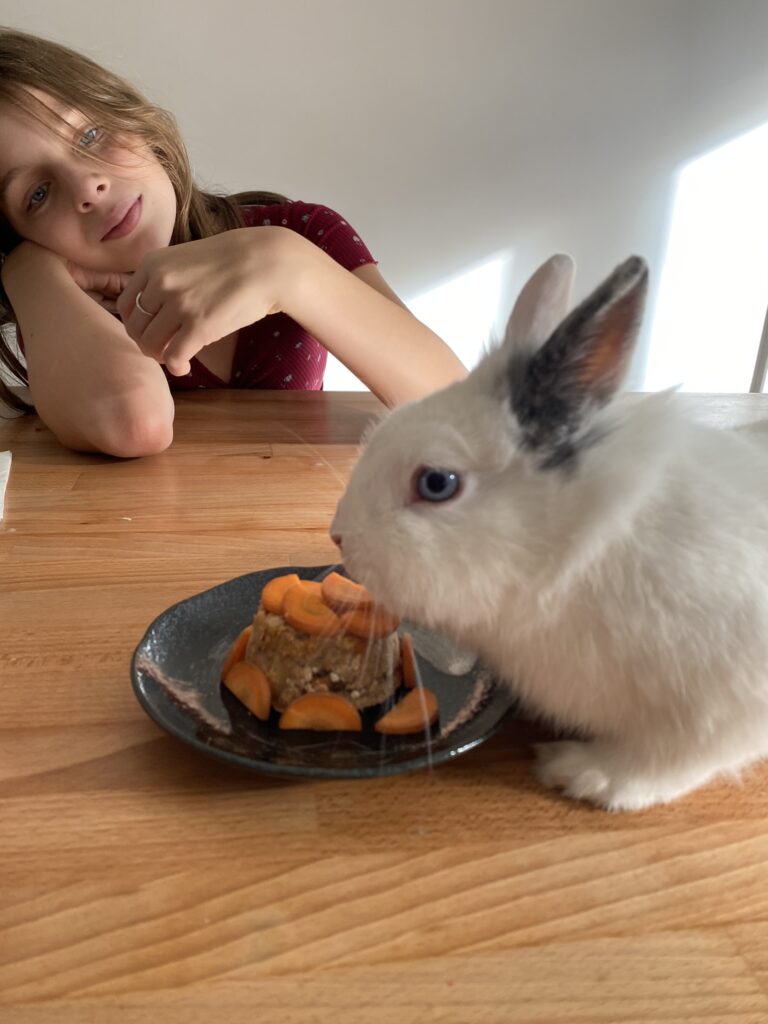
5, 471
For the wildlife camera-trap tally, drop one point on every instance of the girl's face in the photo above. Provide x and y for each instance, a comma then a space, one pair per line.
105, 213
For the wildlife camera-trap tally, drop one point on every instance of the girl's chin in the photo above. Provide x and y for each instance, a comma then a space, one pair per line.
131, 258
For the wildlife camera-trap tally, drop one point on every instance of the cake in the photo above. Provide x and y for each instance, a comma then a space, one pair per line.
329, 637
319, 653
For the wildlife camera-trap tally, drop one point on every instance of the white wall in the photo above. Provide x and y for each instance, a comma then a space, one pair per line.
447, 131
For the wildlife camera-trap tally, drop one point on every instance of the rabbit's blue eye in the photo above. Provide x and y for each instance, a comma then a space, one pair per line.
434, 484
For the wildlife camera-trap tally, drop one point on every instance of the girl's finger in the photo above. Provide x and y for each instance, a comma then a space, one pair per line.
155, 337
185, 343
115, 284
138, 319
177, 367
126, 303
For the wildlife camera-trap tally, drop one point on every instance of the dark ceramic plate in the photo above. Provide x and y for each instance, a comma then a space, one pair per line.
176, 669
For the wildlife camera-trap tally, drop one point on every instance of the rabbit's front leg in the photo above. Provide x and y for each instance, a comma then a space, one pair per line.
608, 774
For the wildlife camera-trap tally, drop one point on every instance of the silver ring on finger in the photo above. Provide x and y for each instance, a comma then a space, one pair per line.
141, 309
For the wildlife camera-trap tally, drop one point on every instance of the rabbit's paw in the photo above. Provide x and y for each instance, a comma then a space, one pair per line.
597, 772
572, 767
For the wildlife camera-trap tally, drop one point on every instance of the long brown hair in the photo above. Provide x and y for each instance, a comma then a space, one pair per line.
27, 62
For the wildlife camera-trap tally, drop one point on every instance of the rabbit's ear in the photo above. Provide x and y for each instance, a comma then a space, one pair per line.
582, 364
541, 305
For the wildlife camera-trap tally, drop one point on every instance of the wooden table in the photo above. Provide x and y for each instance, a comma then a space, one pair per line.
141, 882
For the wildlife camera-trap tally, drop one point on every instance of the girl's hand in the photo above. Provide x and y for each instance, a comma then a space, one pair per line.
195, 293
103, 287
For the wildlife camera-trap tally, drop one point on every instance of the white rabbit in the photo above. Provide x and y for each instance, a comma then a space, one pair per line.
606, 557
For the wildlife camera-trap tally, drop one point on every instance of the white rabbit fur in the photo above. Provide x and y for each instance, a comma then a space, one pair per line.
614, 570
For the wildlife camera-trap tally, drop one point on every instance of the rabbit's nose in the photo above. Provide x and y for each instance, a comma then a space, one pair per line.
336, 538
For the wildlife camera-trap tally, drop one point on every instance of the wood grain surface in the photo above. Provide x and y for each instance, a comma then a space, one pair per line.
141, 882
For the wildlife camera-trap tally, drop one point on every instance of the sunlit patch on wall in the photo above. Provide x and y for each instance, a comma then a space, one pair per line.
463, 311
713, 288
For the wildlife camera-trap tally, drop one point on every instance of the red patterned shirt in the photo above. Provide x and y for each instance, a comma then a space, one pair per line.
276, 352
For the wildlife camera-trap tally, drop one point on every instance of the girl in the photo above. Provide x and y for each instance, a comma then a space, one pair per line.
127, 282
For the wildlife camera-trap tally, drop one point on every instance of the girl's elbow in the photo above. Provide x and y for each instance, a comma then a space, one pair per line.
124, 437
138, 437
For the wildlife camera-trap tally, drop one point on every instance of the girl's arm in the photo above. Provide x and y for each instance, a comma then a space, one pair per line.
89, 382
201, 291
397, 356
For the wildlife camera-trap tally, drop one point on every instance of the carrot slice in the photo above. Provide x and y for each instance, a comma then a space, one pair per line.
369, 625
324, 711
313, 587
237, 650
273, 594
408, 660
414, 713
251, 687
343, 595
305, 610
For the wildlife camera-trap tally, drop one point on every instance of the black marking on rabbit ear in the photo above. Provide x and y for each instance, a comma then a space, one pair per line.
580, 366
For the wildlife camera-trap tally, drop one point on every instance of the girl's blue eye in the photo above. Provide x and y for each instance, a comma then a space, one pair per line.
89, 136
433, 484
38, 197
